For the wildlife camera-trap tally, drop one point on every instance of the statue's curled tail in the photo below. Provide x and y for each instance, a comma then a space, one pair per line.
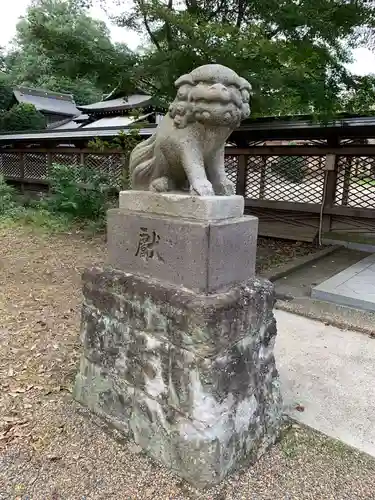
142, 163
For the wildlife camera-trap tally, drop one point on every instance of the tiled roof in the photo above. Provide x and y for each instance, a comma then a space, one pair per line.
65, 125
79, 133
119, 104
115, 121
46, 101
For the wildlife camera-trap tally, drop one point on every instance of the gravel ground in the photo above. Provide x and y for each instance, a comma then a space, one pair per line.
51, 448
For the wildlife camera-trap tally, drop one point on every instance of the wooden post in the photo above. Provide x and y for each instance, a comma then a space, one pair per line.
22, 171
346, 187
263, 173
125, 174
330, 190
331, 171
241, 175
49, 165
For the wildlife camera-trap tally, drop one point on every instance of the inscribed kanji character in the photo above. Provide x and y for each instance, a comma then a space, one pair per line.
146, 245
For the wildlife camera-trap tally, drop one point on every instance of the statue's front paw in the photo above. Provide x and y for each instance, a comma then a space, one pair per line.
226, 188
202, 189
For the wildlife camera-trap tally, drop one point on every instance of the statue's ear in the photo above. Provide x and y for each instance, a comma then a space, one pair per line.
245, 85
183, 80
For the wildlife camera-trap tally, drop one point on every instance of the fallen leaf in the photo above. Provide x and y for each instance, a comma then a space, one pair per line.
12, 420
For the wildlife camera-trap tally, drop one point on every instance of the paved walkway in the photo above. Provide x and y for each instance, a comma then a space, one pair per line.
330, 374
354, 286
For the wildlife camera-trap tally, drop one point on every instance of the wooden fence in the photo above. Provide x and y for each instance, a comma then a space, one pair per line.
296, 191
335, 192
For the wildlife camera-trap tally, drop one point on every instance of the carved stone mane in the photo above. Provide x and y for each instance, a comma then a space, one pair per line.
188, 145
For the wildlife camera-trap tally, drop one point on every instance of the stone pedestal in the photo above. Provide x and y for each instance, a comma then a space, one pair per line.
177, 348
201, 243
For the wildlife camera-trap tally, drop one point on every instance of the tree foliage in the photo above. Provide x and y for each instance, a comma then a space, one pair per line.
292, 51
360, 99
58, 46
6, 93
21, 117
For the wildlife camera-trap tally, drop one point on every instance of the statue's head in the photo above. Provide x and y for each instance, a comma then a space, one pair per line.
213, 95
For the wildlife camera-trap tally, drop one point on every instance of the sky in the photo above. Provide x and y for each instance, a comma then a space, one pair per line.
364, 59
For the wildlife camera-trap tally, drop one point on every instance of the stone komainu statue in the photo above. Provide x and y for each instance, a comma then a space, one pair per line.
187, 147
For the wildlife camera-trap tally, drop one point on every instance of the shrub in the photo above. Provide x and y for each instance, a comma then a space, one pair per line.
81, 192
7, 197
125, 142
292, 168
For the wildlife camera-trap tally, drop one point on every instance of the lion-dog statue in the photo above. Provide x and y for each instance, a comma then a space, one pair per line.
187, 148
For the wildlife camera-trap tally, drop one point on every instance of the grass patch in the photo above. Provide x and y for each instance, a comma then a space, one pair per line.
36, 219
73, 205
44, 221
296, 439
289, 444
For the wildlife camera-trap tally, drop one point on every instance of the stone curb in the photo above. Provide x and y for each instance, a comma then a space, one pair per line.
282, 271
328, 318
352, 245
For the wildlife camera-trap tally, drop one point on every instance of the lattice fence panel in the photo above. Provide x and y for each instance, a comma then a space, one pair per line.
35, 165
111, 165
231, 167
356, 182
10, 165
68, 159
298, 179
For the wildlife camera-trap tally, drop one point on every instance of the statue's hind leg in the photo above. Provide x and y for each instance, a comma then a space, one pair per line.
162, 185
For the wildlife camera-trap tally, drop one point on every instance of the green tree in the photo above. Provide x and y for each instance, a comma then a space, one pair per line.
58, 46
360, 99
22, 117
292, 51
6, 93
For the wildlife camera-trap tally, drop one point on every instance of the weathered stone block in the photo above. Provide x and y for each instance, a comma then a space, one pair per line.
190, 377
205, 256
206, 208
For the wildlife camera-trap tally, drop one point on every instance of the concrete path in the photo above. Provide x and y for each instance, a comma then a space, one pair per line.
330, 374
353, 287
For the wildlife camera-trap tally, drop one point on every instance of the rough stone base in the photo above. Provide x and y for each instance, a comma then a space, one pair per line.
191, 378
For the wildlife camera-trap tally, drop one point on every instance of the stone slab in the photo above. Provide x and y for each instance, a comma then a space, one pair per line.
330, 373
183, 206
353, 287
190, 377
202, 256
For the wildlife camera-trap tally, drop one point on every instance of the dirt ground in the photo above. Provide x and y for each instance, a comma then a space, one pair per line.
273, 252
51, 448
